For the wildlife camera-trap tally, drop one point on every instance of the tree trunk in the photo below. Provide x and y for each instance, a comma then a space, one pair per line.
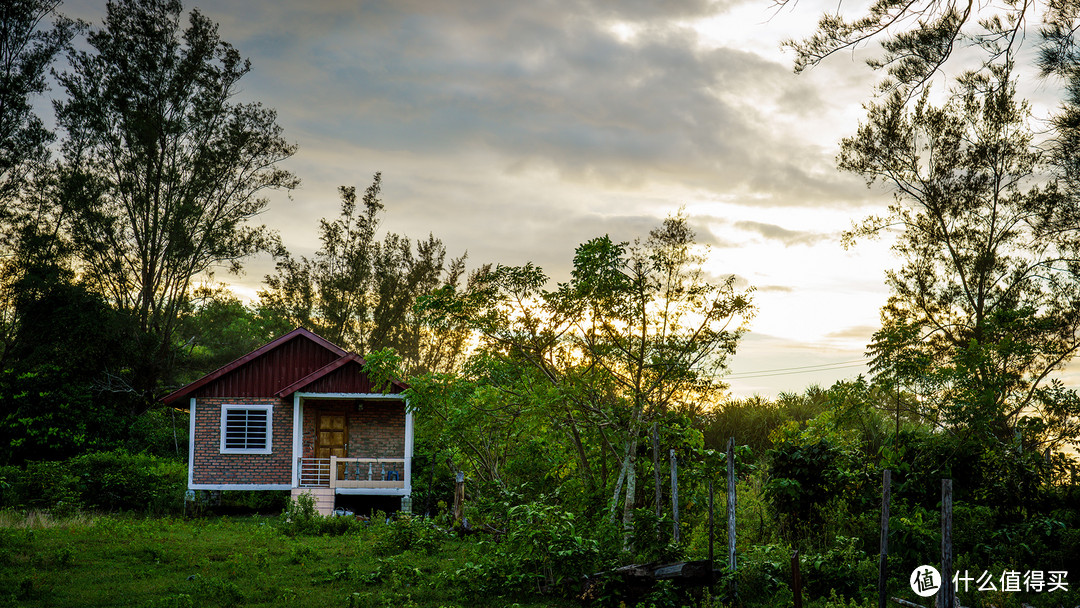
628, 506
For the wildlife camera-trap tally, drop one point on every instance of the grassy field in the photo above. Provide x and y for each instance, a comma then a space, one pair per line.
250, 561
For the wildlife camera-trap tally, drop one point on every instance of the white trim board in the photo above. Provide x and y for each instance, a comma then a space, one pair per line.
297, 438
240, 486
191, 444
374, 491
368, 396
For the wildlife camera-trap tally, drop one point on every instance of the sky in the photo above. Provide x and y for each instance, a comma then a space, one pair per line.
515, 131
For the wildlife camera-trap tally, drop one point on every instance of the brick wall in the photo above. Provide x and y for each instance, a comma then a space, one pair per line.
212, 467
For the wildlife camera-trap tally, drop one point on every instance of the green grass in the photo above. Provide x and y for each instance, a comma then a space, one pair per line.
126, 561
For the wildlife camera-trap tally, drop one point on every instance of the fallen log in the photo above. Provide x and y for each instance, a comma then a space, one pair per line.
635, 580
694, 570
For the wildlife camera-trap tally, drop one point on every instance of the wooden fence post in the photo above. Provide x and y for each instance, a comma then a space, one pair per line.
656, 467
459, 497
883, 558
796, 579
711, 535
675, 530
946, 595
675, 495
731, 502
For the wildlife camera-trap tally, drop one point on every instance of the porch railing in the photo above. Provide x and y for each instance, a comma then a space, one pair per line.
335, 472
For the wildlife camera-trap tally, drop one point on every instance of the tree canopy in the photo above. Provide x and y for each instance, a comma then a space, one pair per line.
163, 168
637, 335
918, 38
360, 291
986, 304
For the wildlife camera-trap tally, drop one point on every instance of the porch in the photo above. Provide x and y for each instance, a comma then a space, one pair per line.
351, 444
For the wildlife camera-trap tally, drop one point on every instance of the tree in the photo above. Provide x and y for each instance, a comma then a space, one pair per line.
163, 169
27, 49
219, 328
638, 332
986, 306
68, 344
359, 291
918, 38
26, 52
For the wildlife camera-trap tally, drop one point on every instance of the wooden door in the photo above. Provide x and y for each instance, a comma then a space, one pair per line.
331, 438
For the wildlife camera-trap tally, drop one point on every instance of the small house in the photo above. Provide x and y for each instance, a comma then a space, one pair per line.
299, 414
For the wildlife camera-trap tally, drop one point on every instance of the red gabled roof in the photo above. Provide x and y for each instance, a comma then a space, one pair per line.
329, 368
335, 351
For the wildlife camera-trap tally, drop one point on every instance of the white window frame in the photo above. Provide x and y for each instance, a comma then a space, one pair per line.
268, 446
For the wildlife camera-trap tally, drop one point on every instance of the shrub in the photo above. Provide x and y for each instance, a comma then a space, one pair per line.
301, 519
106, 481
843, 570
652, 537
46, 485
810, 468
407, 533
913, 536
542, 551
763, 575
119, 481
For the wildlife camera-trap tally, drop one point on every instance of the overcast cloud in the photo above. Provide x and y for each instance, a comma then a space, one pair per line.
517, 130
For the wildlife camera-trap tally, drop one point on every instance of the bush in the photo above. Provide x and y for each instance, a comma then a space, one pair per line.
763, 575
914, 536
843, 570
106, 481
263, 502
542, 551
118, 481
407, 533
45, 485
301, 519
652, 537
809, 469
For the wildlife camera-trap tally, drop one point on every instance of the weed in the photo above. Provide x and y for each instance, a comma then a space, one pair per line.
261, 558
301, 554
25, 589
301, 519
179, 600
154, 553
217, 592
63, 557
43, 519
405, 533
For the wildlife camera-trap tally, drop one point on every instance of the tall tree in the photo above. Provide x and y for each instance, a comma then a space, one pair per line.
27, 50
68, 345
360, 291
638, 332
986, 306
163, 168
219, 328
917, 39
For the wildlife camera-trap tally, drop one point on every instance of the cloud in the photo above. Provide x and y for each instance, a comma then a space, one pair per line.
544, 86
785, 236
862, 332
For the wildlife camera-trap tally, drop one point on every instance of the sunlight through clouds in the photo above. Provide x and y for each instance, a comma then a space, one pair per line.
516, 131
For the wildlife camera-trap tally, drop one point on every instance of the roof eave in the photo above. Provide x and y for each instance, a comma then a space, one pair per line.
183, 391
